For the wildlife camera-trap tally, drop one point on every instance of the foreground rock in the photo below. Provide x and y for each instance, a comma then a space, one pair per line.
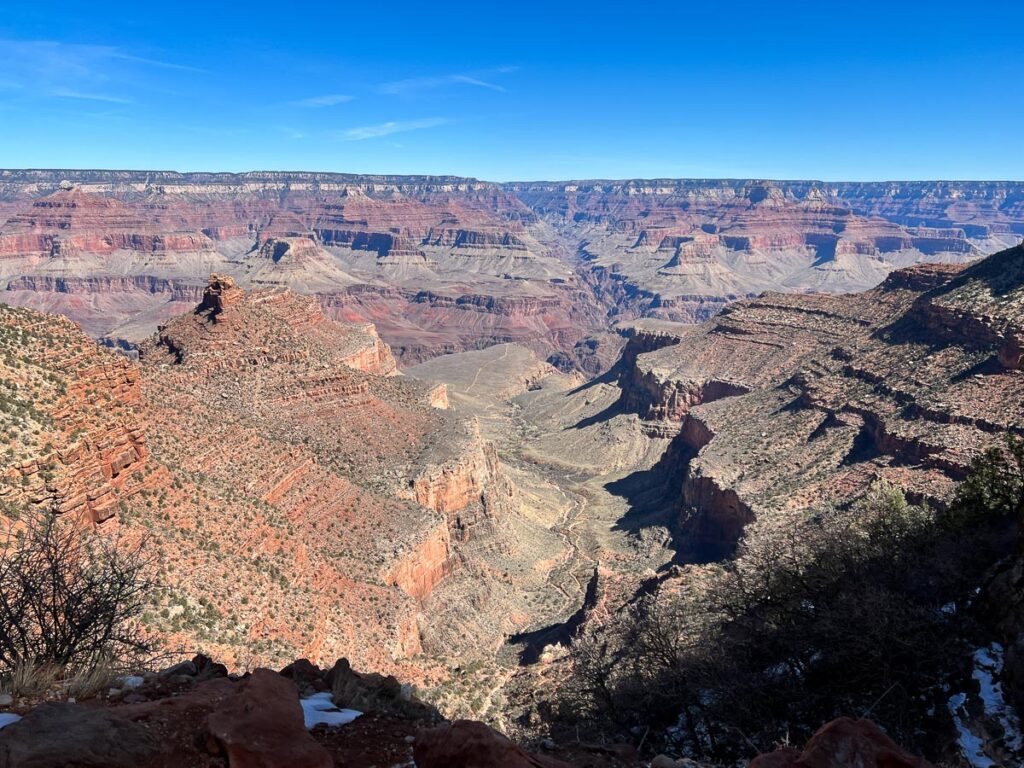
844, 743
194, 717
68, 734
262, 726
370, 692
468, 744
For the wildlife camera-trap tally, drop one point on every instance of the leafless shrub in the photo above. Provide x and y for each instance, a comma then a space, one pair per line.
70, 598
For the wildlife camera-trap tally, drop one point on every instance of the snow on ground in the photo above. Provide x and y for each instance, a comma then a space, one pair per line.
988, 668
6, 718
971, 746
988, 665
130, 682
319, 708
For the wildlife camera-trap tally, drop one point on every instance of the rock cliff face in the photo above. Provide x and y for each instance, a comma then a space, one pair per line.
76, 443
69, 223
416, 245
282, 472
469, 489
786, 401
443, 265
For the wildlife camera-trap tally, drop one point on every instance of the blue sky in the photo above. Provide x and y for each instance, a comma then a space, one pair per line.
525, 90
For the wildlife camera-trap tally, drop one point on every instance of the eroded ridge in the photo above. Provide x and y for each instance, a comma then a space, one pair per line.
300, 497
783, 402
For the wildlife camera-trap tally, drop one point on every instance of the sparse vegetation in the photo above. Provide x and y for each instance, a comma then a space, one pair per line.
857, 611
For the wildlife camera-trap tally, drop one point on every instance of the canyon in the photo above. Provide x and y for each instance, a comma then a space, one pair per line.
447, 264
440, 426
707, 441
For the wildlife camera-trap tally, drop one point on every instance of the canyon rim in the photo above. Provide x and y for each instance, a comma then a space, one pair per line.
633, 389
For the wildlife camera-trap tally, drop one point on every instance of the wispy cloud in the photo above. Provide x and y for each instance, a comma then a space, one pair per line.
67, 93
414, 85
49, 68
392, 126
327, 100
117, 54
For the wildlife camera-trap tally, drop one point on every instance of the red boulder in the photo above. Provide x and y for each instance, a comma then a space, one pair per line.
263, 727
844, 743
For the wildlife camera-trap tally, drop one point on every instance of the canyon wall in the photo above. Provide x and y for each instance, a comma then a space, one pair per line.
442, 264
905, 383
276, 466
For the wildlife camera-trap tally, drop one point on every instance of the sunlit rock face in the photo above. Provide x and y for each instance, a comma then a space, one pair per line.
442, 264
785, 402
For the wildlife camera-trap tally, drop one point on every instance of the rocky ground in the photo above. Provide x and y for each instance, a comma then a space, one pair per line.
195, 714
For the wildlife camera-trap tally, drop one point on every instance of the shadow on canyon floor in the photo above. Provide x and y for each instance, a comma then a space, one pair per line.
610, 376
654, 496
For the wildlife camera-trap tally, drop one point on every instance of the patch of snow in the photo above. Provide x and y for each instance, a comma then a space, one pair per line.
6, 718
971, 746
988, 666
131, 682
319, 708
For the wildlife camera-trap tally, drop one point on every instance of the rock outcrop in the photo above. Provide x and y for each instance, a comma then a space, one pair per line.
261, 725
299, 497
786, 401
340, 451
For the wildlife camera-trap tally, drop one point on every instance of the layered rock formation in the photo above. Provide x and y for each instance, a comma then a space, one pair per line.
680, 249
785, 402
441, 264
299, 496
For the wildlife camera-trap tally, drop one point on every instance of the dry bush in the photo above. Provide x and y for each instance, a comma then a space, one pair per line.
87, 682
70, 600
30, 680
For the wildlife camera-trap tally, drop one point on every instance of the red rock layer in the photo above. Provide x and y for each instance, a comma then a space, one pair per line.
75, 441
